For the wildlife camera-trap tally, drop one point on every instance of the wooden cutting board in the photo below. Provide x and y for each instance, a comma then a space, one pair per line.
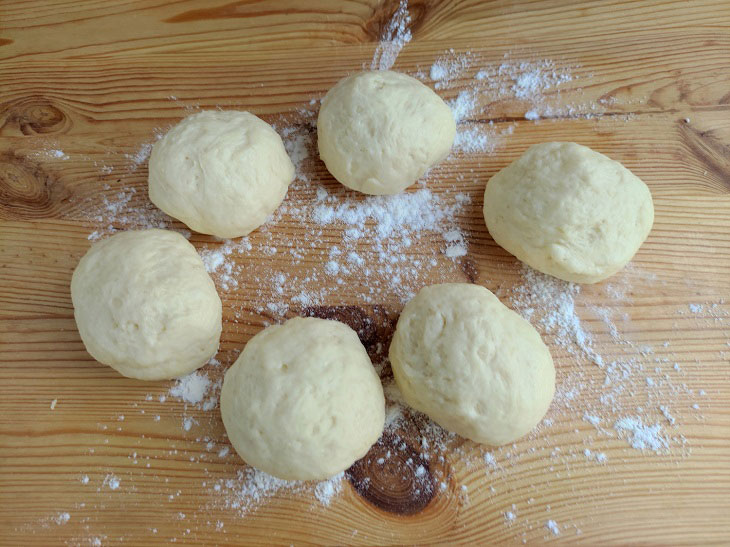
84, 85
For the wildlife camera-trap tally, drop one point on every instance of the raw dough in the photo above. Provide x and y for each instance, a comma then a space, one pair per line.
569, 211
221, 173
303, 401
145, 305
378, 132
472, 364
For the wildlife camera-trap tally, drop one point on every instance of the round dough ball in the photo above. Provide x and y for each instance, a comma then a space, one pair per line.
303, 401
145, 305
472, 364
221, 173
569, 211
379, 132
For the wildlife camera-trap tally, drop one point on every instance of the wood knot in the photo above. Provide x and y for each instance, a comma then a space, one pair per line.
37, 116
393, 476
375, 328
26, 190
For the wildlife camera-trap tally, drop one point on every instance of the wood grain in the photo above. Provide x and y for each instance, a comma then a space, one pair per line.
94, 79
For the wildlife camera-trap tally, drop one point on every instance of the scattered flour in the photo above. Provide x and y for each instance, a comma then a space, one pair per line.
464, 105
449, 67
251, 487
390, 215
215, 261
553, 527
111, 481
394, 38
640, 436
140, 156
550, 302
191, 388
474, 139
345, 238
325, 491
125, 209
533, 84
297, 147
530, 80
49, 154
62, 518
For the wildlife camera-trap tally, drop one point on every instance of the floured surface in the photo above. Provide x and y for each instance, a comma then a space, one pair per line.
641, 359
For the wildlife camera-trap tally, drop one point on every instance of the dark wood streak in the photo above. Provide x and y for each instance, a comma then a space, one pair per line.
711, 151
393, 476
233, 10
470, 269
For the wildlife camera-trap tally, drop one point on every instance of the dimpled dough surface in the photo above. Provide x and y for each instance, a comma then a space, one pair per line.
472, 364
378, 132
145, 305
303, 401
569, 211
220, 172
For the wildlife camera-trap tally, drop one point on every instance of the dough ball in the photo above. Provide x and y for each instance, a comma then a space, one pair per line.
145, 305
379, 132
569, 211
221, 173
472, 364
303, 401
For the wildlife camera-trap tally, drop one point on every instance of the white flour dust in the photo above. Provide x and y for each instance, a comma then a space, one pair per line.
533, 85
393, 39
191, 388
251, 487
112, 482
640, 436
630, 383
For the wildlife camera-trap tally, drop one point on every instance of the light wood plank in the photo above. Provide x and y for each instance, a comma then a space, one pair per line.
94, 79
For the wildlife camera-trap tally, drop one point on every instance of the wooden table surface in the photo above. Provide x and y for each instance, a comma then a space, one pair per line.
84, 85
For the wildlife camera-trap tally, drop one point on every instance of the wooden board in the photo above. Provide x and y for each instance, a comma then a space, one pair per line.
94, 80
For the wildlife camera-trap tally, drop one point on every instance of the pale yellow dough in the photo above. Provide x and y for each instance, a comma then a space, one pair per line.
569, 211
220, 172
303, 401
145, 306
472, 364
379, 132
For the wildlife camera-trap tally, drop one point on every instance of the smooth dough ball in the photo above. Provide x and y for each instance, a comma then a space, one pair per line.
303, 401
472, 364
220, 172
379, 132
145, 305
569, 211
